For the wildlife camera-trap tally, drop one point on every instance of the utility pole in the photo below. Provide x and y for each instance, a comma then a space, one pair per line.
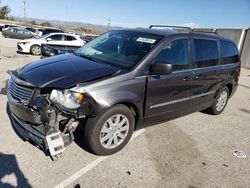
24, 10
108, 24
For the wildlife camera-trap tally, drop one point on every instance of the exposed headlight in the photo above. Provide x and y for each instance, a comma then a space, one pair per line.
67, 98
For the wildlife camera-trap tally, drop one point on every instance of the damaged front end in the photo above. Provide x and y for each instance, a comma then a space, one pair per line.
48, 117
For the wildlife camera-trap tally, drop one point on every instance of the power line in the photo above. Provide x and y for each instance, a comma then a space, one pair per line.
24, 10
108, 24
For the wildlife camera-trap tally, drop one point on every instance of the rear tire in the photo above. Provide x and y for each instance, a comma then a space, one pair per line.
35, 49
220, 102
111, 131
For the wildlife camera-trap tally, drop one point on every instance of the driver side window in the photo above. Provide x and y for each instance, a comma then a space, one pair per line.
175, 53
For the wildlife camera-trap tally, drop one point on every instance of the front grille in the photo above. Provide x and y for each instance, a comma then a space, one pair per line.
20, 92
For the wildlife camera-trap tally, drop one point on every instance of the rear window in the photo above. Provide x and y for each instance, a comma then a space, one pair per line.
230, 52
206, 53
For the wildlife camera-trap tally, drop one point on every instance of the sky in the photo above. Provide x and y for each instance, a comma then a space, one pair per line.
139, 13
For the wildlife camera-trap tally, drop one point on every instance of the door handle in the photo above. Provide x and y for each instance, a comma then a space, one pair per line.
187, 78
198, 77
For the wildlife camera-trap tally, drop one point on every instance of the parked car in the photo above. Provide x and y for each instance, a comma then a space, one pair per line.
48, 51
6, 26
17, 33
36, 31
88, 38
33, 46
119, 82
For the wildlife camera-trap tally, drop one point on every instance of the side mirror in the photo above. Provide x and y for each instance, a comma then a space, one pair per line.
48, 39
161, 68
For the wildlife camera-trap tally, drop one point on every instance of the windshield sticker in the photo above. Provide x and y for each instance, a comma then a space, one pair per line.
146, 40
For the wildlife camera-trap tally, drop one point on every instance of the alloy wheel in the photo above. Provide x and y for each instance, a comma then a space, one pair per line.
221, 101
114, 131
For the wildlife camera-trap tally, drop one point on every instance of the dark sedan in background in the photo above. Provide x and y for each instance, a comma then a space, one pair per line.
17, 33
48, 51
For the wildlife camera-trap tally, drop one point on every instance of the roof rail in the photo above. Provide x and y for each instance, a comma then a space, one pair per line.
170, 26
211, 32
188, 28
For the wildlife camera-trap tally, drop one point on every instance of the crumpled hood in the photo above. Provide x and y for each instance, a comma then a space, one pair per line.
63, 71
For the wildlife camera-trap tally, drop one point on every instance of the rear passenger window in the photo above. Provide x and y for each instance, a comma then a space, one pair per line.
175, 53
69, 38
206, 53
56, 37
230, 52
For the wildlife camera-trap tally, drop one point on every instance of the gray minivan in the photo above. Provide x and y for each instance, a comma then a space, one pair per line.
119, 82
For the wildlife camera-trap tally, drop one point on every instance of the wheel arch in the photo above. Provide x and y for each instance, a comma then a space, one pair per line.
230, 87
133, 108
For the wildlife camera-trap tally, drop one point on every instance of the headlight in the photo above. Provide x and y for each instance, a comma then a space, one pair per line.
67, 98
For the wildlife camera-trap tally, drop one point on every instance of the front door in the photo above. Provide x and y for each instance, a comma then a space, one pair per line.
168, 95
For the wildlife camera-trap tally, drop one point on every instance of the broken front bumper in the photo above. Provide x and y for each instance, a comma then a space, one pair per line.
41, 123
28, 132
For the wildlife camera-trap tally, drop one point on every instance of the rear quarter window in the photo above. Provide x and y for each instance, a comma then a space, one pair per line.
206, 52
230, 53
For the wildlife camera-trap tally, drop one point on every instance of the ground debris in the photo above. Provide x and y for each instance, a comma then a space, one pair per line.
240, 154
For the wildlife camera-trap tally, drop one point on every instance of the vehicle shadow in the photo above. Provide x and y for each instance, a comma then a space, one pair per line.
9, 166
3, 91
22, 53
80, 141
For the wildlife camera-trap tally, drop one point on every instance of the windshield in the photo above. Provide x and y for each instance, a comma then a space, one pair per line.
123, 49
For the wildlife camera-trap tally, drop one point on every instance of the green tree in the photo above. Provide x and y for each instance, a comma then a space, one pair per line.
4, 11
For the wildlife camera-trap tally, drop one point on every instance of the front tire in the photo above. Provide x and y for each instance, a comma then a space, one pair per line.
220, 102
35, 49
111, 131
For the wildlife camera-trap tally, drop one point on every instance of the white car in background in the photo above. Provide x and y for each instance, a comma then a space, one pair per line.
33, 46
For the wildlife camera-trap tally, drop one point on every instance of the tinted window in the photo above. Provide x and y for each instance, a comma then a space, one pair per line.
69, 38
31, 29
229, 52
206, 53
175, 53
56, 37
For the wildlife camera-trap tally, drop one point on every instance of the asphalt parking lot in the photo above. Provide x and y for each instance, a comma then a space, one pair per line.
192, 151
